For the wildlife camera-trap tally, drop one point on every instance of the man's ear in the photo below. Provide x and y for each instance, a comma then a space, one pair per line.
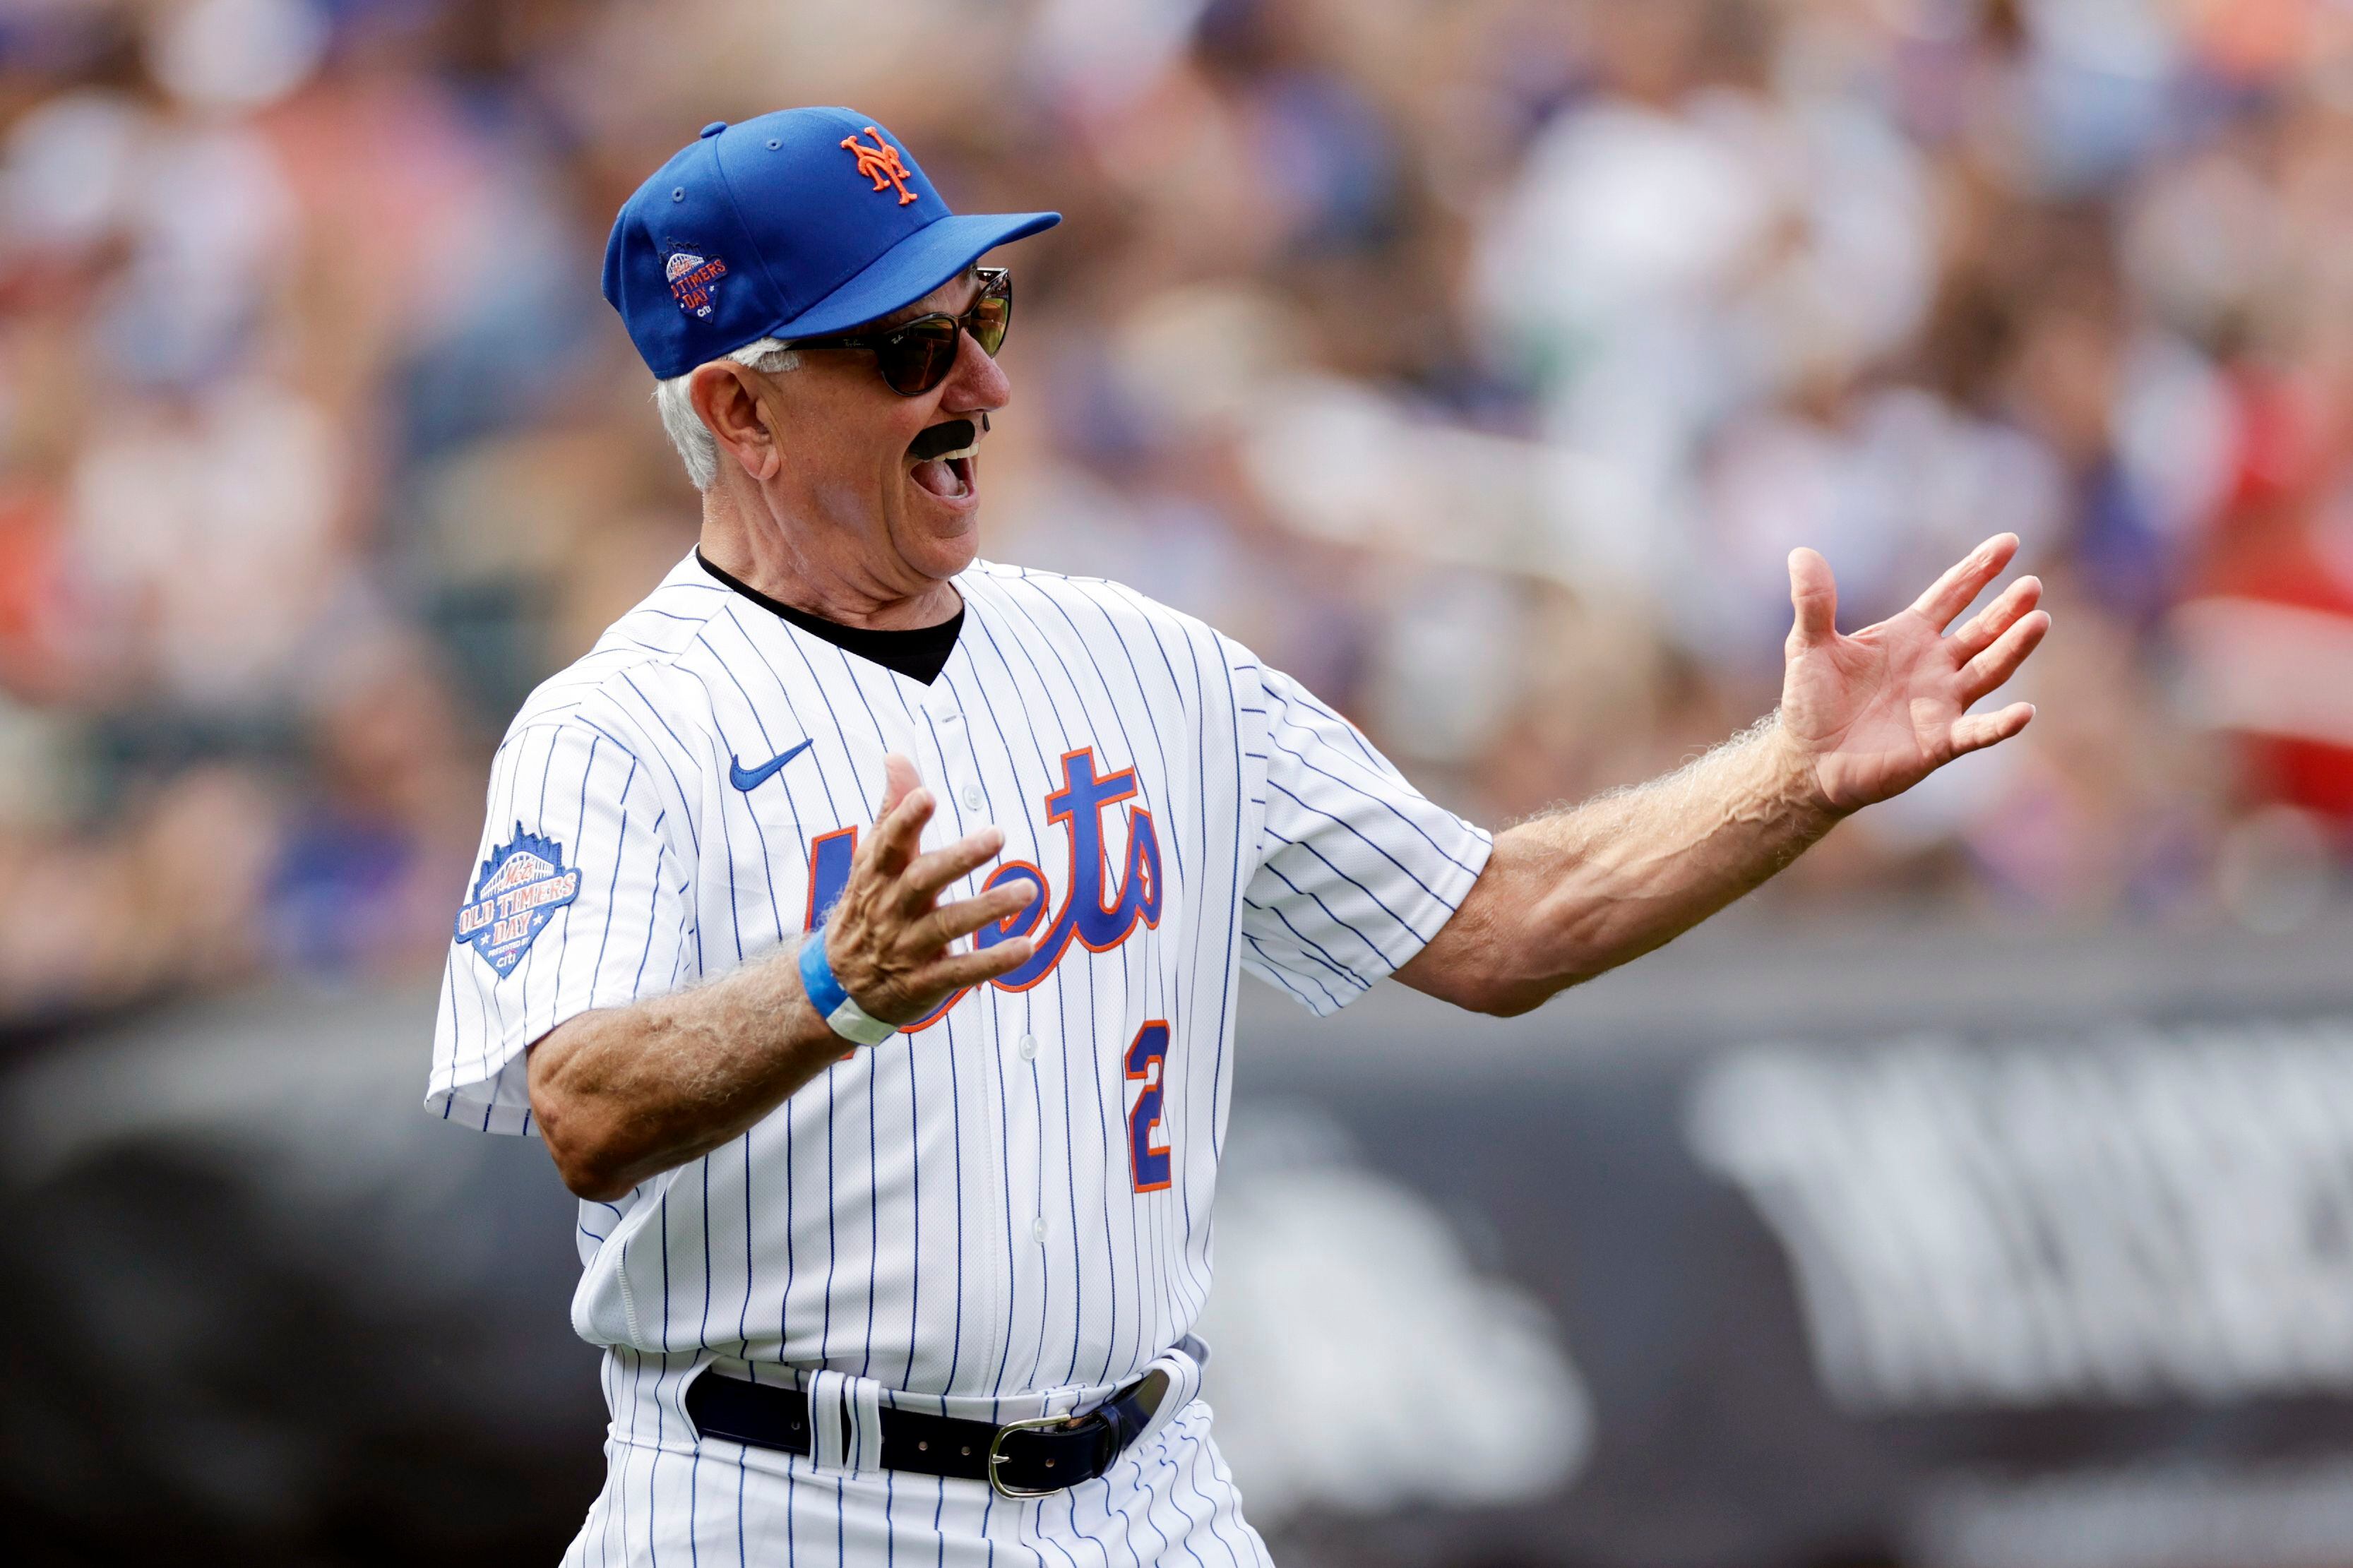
726, 396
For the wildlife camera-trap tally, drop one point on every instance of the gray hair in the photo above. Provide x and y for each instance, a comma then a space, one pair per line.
697, 447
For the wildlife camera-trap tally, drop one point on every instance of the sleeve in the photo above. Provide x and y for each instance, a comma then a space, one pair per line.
1356, 869
575, 902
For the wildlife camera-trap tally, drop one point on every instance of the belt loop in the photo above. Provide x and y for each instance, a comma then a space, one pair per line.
845, 1421
829, 1420
865, 1413
1181, 1364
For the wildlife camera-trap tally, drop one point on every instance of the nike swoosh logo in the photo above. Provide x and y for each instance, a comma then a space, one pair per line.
742, 777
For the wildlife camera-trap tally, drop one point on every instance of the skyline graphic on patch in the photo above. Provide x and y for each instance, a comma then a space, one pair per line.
521, 886
693, 277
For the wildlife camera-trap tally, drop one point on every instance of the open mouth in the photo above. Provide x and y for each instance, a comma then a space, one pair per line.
942, 455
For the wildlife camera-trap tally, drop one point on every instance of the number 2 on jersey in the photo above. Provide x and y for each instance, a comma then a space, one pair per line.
1147, 1144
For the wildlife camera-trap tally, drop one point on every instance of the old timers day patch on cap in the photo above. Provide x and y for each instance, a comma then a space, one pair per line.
693, 277
521, 886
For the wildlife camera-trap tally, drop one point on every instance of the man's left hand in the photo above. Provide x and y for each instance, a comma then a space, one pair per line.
1868, 716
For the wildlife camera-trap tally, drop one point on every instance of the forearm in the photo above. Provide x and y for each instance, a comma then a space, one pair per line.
1574, 892
624, 1093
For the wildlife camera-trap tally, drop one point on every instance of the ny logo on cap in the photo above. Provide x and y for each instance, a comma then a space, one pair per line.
880, 164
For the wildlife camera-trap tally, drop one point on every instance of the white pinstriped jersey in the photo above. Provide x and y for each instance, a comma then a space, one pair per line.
1013, 1197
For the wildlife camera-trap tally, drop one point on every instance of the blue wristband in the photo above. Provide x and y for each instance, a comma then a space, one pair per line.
840, 1010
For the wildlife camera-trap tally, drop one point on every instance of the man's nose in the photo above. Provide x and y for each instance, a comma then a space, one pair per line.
976, 383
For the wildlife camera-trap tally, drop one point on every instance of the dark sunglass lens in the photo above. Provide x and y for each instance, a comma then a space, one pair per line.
917, 358
989, 321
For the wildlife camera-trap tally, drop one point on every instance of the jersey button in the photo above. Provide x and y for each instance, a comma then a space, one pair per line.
1028, 1047
972, 799
1037, 1230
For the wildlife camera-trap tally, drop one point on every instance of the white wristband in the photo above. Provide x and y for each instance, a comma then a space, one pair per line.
840, 1010
855, 1024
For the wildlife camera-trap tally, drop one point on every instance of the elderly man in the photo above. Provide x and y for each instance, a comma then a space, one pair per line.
858, 921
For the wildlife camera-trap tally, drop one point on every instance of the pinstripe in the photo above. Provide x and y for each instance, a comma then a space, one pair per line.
619, 1484
1110, 1506
1357, 833
1144, 709
767, 858
955, 1129
604, 936
1189, 1475
1138, 1209
692, 832
727, 849
1141, 1486
768, 861
1071, 1180
979, 620
506, 1032
1071, 1528
873, 1156
1313, 948
825, 1331
1308, 764
497, 995
1095, 1057
580, 827
1226, 967
446, 1009
653, 1464
1207, 1452
1168, 1256
832, 1217
1029, 1517
600, 1512
1283, 976
703, 1329
1349, 733
1169, 1495
638, 985
1330, 914
1061, 1059
694, 1488
783, 1296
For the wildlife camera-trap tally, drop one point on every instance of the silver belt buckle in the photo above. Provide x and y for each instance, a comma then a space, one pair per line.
1036, 1423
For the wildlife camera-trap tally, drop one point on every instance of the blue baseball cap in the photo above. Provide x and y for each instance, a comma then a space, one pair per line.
799, 224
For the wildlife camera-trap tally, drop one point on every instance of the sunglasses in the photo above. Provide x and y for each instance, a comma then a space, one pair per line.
917, 355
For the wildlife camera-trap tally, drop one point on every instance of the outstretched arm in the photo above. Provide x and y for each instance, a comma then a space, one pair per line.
1575, 892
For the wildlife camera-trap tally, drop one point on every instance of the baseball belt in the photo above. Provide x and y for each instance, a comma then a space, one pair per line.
1020, 1458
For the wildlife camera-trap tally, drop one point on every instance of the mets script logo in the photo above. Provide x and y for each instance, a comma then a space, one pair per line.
521, 886
692, 280
880, 164
1098, 912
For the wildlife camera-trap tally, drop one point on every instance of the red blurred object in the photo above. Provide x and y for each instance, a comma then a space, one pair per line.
2284, 539
31, 594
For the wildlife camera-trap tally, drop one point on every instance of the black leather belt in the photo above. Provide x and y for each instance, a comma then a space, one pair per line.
1020, 1459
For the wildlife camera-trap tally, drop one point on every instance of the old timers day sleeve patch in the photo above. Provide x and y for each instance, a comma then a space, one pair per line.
521, 886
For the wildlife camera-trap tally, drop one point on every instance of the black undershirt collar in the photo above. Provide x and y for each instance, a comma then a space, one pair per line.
919, 654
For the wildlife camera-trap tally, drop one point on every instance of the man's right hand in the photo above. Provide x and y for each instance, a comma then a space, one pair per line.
889, 937
624, 1093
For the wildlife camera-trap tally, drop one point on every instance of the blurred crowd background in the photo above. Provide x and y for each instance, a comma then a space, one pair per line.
1478, 361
